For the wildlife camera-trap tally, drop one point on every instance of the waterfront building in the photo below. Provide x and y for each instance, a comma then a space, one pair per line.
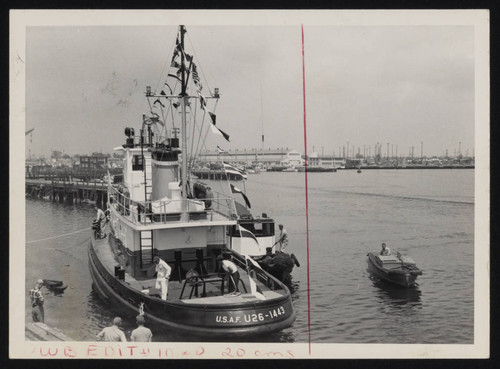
95, 161
314, 160
269, 157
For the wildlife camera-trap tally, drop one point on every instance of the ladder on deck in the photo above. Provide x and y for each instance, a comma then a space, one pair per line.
148, 181
146, 247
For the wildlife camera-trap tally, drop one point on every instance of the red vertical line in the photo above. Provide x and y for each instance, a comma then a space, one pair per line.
307, 207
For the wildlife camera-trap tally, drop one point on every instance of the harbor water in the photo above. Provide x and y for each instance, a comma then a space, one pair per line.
426, 214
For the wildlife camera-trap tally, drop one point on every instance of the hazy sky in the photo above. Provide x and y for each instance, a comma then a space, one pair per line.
364, 84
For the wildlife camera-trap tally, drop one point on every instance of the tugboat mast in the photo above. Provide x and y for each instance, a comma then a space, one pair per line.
184, 99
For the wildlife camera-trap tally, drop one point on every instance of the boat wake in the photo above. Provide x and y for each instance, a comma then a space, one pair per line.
398, 197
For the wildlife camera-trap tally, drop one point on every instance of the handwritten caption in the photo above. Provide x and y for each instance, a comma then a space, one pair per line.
139, 351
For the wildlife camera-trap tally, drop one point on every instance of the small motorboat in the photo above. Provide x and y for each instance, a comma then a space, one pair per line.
397, 269
54, 285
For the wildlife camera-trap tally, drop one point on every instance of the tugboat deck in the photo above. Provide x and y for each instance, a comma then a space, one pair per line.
213, 285
228, 299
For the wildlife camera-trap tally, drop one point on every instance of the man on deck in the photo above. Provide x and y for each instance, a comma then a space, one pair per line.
233, 276
283, 240
163, 271
100, 218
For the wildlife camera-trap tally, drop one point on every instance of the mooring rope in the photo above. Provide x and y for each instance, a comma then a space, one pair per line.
62, 235
69, 247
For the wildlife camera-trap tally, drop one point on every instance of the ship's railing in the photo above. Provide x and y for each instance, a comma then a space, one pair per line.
148, 212
135, 141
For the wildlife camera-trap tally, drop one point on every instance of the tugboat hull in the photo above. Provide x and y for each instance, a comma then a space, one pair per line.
200, 320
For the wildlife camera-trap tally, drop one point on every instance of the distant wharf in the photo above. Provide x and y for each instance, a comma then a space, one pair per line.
65, 191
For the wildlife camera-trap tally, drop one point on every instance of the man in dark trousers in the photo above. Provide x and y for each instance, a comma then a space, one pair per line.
233, 276
37, 300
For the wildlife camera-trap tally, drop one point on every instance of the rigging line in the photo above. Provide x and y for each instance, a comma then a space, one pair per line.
193, 122
165, 65
163, 128
62, 235
194, 152
171, 107
201, 132
227, 179
69, 247
203, 144
199, 66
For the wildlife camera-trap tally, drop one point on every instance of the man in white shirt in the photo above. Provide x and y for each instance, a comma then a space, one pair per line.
113, 333
385, 250
163, 271
232, 274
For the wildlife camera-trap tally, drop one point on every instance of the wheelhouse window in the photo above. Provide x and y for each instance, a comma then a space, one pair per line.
137, 163
257, 228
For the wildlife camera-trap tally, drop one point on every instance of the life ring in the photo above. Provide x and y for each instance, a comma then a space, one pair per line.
296, 262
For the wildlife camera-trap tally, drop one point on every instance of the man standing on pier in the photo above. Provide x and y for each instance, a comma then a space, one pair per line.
113, 333
141, 333
38, 313
163, 271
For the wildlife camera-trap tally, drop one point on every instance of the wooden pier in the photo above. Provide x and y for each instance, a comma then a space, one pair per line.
42, 332
69, 192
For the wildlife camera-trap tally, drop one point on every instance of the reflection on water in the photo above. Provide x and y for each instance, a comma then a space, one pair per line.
396, 295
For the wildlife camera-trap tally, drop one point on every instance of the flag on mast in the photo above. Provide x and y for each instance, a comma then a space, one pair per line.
219, 132
235, 189
228, 168
221, 150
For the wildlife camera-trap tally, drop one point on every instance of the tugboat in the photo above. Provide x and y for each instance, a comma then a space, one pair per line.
157, 211
397, 269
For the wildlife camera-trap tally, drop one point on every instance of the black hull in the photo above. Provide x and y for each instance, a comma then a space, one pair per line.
398, 277
211, 321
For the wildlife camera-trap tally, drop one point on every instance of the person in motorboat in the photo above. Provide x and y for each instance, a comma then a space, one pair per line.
385, 250
232, 274
283, 240
37, 300
163, 271
113, 333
